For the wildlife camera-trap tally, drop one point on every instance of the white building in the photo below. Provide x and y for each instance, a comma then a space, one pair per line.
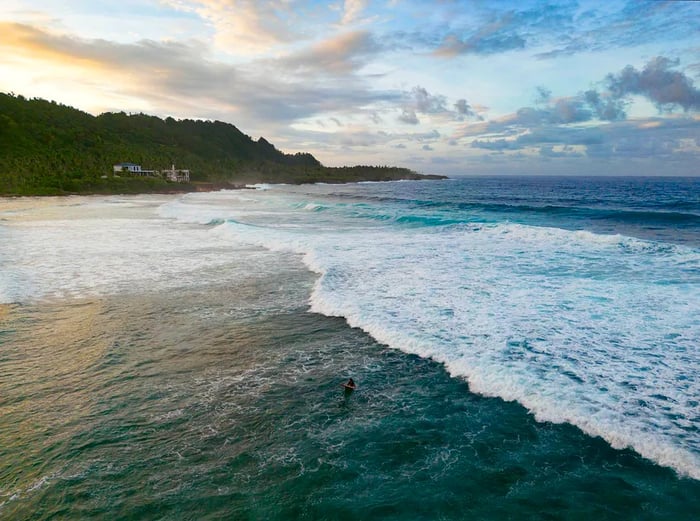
177, 176
133, 169
174, 175
127, 167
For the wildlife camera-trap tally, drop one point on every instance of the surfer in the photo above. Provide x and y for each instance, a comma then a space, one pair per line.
350, 385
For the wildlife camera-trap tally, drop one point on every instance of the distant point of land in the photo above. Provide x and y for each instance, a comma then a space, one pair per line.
47, 148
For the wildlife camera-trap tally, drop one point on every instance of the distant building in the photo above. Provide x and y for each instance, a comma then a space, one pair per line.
127, 167
176, 176
133, 169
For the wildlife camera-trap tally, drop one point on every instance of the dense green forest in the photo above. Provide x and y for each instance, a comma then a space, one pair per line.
49, 148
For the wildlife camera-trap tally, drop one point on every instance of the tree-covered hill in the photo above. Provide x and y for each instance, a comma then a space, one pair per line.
49, 148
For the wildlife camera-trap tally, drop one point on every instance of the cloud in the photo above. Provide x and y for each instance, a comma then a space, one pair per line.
352, 9
340, 54
253, 94
695, 68
427, 103
431, 135
543, 95
563, 28
245, 26
362, 138
666, 88
580, 108
559, 111
490, 27
536, 136
420, 101
479, 44
549, 151
35, 44
409, 117
606, 107
464, 110
657, 139
495, 144
376, 118
654, 139
614, 25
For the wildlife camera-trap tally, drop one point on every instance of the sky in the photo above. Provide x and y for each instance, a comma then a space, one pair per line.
448, 87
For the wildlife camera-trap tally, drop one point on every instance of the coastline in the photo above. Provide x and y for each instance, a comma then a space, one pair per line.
205, 186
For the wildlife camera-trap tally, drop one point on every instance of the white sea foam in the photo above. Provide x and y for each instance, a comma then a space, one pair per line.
92, 256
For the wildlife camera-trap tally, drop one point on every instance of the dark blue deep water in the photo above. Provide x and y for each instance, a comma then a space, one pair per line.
649, 207
524, 348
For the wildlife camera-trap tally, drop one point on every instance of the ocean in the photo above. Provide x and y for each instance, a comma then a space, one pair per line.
523, 348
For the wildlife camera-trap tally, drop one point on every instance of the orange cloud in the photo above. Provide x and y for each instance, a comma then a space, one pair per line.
244, 26
94, 75
37, 46
342, 53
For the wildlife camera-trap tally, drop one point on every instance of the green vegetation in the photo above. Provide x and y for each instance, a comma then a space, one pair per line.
47, 148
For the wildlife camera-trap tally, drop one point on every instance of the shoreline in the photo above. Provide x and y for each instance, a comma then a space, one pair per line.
205, 186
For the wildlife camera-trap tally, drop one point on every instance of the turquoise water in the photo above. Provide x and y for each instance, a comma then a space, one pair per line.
208, 386
174, 421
